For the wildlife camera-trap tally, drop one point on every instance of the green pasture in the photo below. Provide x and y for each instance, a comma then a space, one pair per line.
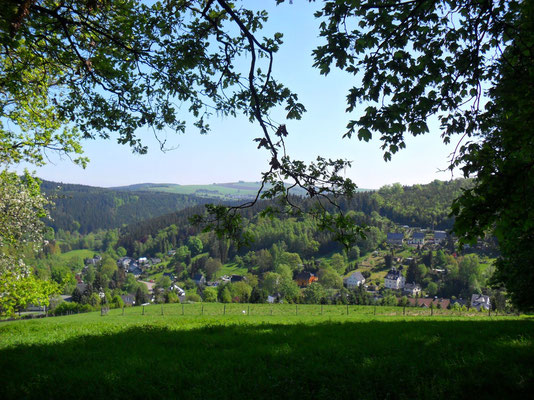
216, 190
302, 354
77, 253
232, 269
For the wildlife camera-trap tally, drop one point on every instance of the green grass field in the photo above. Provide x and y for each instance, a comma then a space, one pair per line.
231, 269
77, 253
241, 356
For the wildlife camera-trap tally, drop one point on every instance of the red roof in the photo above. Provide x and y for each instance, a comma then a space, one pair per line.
425, 302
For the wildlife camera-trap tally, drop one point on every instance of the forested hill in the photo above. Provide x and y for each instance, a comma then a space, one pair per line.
426, 206
420, 205
87, 208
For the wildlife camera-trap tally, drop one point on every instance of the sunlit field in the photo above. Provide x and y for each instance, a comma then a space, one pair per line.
248, 353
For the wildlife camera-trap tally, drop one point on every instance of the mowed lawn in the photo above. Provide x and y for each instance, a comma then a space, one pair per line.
359, 356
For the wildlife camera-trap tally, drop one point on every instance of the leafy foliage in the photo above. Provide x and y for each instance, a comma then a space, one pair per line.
21, 230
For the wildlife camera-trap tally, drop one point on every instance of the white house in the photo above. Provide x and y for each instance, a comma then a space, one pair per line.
418, 238
124, 262
412, 289
394, 280
479, 301
354, 280
179, 291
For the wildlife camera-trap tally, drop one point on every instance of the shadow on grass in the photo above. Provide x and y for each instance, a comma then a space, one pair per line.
360, 360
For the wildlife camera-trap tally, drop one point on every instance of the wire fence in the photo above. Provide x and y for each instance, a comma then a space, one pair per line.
233, 309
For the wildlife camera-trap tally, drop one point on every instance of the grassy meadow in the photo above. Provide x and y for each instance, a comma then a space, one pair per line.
249, 354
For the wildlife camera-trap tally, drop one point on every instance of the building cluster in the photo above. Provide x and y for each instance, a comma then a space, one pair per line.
417, 238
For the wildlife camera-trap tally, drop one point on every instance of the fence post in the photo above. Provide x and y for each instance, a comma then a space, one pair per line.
224, 312
271, 311
375, 310
248, 311
143, 310
182, 308
404, 310
296, 309
489, 312
321, 309
162, 309
347, 309
202, 310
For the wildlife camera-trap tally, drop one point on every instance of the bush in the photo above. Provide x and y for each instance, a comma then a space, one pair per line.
116, 302
193, 297
71, 308
171, 297
210, 295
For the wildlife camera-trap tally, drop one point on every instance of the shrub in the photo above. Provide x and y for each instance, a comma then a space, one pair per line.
171, 297
116, 302
193, 297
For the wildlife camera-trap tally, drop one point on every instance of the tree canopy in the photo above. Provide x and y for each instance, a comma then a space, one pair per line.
85, 68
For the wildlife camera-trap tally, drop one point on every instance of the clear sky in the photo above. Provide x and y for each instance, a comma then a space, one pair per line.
228, 153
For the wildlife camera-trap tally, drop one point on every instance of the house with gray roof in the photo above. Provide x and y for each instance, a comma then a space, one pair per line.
479, 301
395, 238
440, 236
354, 280
394, 279
418, 238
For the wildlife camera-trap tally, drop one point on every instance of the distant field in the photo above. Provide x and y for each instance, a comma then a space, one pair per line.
77, 253
227, 191
240, 356
232, 269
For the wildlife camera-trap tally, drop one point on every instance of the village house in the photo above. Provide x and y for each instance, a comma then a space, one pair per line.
135, 269
412, 289
394, 279
199, 279
418, 239
395, 238
128, 299
179, 291
306, 278
92, 261
124, 262
440, 237
428, 302
354, 280
479, 301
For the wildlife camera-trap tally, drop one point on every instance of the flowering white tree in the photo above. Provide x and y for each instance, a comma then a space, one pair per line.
21, 209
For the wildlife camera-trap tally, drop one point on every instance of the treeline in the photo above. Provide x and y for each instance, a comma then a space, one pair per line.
87, 209
420, 205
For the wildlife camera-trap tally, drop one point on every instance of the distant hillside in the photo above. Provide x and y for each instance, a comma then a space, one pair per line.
223, 191
426, 206
87, 208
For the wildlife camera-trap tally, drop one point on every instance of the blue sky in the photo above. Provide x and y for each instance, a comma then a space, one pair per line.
228, 153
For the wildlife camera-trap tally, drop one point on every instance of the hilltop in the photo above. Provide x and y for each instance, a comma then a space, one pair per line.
221, 191
85, 209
